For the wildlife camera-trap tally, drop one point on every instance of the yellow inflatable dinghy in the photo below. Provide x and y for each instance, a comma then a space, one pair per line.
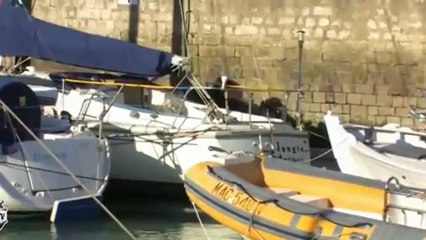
265, 198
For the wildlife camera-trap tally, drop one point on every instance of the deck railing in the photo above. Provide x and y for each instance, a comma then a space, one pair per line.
213, 113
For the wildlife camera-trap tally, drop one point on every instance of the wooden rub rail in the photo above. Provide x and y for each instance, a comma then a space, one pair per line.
241, 88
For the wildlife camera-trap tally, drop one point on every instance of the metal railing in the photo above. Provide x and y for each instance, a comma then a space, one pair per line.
86, 105
212, 113
393, 186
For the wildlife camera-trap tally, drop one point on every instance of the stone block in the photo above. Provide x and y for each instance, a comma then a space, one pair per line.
315, 107
337, 88
380, 121
347, 88
382, 89
384, 57
354, 98
273, 31
393, 120
326, 88
329, 97
286, 21
373, 111
242, 52
409, 101
257, 20
167, 17
359, 113
276, 52
375, 77
397, 101
342, 66
407, 122
384, 100
401, 112
322, 11
246, 30
318, 33
372, 67
386, 111
340, 98
371, 120
310, 22
368, 99
342, 76
421, 103
325, 107
335, 108
305, 106
324, 22
346, 109
345, 118
270, 74
307, 97
364, 89
211, 39
318, 97
314, 87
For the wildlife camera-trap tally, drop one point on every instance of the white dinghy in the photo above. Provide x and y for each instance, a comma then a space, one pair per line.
31, 180
379, 152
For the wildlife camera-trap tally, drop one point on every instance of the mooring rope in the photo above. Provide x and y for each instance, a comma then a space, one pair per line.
326, 152
120, 224
200, 221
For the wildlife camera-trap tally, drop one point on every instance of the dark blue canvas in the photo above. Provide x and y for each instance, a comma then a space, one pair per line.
23, 35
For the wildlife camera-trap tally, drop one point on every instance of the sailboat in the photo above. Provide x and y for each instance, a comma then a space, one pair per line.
146, 144
31, 179
156, 144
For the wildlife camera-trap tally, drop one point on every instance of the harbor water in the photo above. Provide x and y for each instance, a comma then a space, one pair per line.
151, 218
147, 219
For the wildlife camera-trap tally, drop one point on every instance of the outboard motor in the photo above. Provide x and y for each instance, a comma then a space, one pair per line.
24, 103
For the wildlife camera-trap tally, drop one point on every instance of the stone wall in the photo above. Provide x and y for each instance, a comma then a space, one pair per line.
362, 59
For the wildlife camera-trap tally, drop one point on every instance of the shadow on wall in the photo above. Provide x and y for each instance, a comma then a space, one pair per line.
133, 22
178, 40
272, 107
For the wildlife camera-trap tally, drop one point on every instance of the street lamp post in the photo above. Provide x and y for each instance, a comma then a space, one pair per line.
301, 39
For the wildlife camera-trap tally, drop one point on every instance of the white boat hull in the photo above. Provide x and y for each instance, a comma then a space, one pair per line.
31, 180
152, 159
392, 152
149, 146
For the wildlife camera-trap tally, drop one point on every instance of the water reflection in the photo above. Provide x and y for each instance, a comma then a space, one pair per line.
147, 220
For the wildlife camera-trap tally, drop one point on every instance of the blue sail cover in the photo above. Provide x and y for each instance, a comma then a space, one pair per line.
23, 35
